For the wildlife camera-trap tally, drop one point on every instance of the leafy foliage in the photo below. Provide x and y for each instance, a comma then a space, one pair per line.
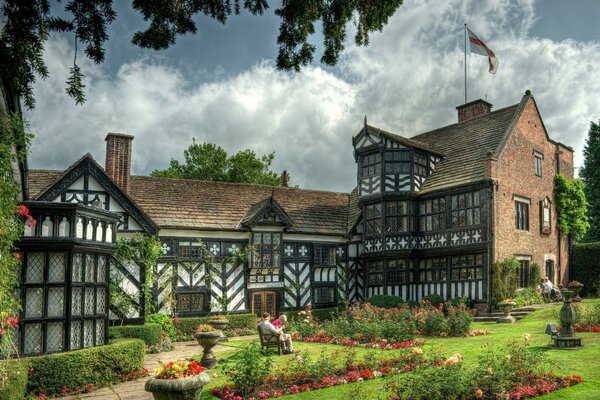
385, 301
29, 23
535, 275
590, 175
144, 250
96, 365
585, 266
528, 296
571, 206
505, 279
210, 162
150, 333
250, 370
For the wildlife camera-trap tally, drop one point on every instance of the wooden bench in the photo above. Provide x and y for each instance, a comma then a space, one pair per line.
269, 341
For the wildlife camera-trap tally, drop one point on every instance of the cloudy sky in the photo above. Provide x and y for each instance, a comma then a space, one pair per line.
221, 86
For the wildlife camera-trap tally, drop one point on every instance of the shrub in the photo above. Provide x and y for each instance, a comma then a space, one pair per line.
589, 314
445, 382
75, 369
385, 301
15, 381
188, 325
459, 319
150, 333
433, 299
432, 322
528, 296
535, 275
585, 267
249, 369
325, 314
167, 324
505, 279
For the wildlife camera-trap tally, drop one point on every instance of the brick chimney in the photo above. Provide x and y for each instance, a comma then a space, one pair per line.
472, 110
118, 159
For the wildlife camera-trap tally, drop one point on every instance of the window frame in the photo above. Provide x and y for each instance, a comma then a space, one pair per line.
537, 163
318, 256
399, 216
276, 251
370, 218
367, 161
427, 214
472, 206
522, 215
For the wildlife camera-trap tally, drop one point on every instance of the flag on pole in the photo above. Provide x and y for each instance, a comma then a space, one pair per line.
478, 47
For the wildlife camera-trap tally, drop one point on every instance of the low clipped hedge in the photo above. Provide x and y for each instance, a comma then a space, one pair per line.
151, 334
15, 387
188, 324
585, 267
385, 301
99, 366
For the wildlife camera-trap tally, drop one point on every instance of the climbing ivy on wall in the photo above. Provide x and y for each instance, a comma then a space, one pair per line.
144, 250
13, 217
571, 206
504, 279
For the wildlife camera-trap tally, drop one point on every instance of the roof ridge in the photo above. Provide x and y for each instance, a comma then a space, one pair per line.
239, 184
466, 122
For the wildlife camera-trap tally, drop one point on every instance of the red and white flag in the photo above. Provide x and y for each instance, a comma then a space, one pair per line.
478, 47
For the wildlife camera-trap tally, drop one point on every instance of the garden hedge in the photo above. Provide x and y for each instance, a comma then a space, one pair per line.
74, 369
151, 334
585, 266
16, 386
385, 301
188, 324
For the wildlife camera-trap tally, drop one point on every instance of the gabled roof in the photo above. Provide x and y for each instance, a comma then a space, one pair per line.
263, 208
407, 142
47, 185
467, 146
195, 204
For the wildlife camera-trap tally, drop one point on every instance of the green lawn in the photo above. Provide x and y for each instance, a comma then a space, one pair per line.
585, 362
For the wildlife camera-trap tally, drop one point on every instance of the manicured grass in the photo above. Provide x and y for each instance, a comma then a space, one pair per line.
585, 362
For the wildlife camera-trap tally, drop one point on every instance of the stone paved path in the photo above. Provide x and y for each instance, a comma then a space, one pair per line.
134, 390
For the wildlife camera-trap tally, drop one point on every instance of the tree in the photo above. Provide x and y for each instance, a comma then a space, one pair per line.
210, 162
571, 206
590, 174
29, 23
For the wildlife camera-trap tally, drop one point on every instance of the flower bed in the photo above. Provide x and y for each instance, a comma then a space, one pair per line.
587, 328
383, 344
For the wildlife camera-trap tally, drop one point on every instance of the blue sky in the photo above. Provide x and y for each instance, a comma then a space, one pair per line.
221, 86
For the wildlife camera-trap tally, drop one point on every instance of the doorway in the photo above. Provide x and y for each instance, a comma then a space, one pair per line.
550, 270
264, 301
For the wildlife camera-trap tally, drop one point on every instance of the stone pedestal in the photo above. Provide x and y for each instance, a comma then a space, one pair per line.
566, 338
506, 307
208, 340
220, 324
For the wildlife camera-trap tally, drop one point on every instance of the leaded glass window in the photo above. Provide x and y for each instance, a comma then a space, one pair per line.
324, 256
88, 333
398, 271
267, 250
433, 269
373, 219
375, 273
89, 301
55, 337
396, 216
33, 338
420, 165
522, 215
76, 299
397, 162
56, 302
89, 268
75, 335
56, 268
466, 267
77, 267
432, 214
35, 268
101, 272
370, 165
465, 209
324, 294
34, 302
100, 332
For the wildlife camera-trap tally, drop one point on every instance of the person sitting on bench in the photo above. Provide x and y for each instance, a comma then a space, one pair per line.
266, 328
547, 289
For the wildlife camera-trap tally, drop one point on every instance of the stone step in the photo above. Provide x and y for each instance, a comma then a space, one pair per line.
499, 314
493, 319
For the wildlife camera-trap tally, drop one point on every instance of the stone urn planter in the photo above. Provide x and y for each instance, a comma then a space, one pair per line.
506, 307
220, 324
208, 340
188, 388
566, 338
575, 287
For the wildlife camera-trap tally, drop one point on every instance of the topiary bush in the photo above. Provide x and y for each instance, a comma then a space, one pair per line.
585, 267
150, 333
73, 370
384, 301
15, 385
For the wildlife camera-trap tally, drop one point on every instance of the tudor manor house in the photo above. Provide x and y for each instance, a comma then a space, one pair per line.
429, 214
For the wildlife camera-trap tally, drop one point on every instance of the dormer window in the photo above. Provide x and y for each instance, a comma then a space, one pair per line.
420, 167
370, 165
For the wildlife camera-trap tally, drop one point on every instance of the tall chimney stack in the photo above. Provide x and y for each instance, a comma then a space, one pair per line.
118, 159
472, 110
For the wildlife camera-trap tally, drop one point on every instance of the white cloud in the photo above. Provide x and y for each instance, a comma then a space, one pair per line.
407, 81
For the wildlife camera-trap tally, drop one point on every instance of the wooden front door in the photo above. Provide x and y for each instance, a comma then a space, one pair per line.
264, 301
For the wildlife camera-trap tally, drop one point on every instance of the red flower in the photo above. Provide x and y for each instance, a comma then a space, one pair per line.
179, 331
18, 255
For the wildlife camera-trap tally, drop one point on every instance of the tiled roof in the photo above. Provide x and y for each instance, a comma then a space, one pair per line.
194, 204
220, 205
408, 142
354, 210
40, 180
466, 147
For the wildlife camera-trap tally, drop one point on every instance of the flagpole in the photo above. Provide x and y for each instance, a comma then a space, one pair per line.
465, 63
